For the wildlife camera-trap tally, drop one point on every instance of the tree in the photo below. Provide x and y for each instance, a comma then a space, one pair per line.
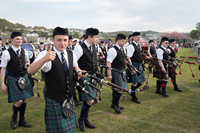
198, 26
174, 35
193, 34
75, 35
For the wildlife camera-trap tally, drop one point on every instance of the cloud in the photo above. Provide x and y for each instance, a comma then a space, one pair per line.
71, 1
140, 15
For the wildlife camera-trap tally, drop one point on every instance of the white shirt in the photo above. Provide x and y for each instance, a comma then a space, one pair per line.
153, 47
169, 50
79, 51
160, 52
6, 56
47, 66
38, 51
131, 49
126, 45
112, 53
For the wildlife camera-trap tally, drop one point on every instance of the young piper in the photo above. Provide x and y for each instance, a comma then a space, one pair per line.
161, 67
58, 64
135, 58
70, 42
42, 48
172, 71
86, 54
15, 60
103, 54
71, 47
152, 53
116, 59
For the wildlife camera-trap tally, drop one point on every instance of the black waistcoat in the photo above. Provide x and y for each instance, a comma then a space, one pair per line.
16, 64
119, 61
41, 49
165, 57
152, 50
104, 51
59, 84
172, 54
87, 61
137, 57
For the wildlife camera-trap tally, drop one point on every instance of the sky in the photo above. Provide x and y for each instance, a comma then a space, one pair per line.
106, 15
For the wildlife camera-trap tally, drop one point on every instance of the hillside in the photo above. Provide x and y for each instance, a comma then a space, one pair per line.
9, 26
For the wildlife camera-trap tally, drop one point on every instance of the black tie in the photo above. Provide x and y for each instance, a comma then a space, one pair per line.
64, 63
17, 52
90, 49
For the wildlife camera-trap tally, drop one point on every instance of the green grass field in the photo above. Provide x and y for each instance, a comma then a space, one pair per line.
180, 112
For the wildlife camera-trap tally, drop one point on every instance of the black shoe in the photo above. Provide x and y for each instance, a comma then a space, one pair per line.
112, 106
177, 89
164, 94
117, 109
158, 92
81, 124
77, 103
136, 101
14, 121
23, 123
88, 124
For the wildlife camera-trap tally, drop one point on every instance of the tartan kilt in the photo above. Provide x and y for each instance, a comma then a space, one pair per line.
16, 94
118, 80
158, 73
171, 72
136, 78
93, 92
55, 121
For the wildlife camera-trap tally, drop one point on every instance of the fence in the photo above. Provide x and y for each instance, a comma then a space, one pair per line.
196, 51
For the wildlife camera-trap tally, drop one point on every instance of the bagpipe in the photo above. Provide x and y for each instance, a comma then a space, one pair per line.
100, 80
32, 55
174, 62
181, 61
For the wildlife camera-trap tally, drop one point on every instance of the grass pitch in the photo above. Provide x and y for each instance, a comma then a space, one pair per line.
177, 113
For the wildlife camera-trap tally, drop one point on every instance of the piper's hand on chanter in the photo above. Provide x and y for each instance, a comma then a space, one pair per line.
133, 71
80, 73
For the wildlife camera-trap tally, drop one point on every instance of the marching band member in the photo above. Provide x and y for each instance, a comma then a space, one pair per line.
116, 59
42, 48
70, 43
109, 45
135, 58
103, 54
71, 47
161, 67
130, 37
86, 54
152, 53
15, 60
172, 71
60, 115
